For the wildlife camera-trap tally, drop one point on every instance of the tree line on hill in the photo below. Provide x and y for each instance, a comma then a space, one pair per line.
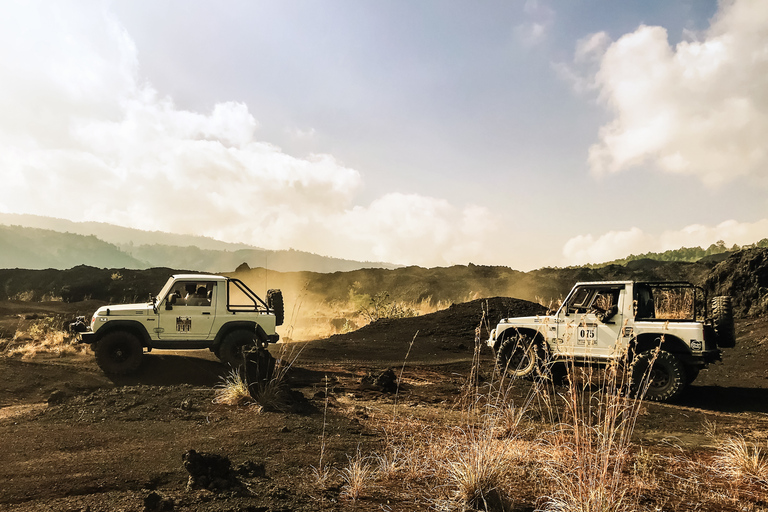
687, 253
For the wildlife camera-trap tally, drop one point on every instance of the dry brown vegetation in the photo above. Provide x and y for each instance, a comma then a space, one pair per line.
47, 336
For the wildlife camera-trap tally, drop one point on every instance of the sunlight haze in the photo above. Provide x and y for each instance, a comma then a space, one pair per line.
526, 133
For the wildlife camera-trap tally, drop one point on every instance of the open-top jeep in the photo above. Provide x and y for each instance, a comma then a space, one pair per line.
192, 311
665, 326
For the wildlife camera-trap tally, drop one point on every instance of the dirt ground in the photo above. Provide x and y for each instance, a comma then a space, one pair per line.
75, 440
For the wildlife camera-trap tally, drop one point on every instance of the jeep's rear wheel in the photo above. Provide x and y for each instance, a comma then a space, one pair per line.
517, 356
662, 373
119, 353
231, 349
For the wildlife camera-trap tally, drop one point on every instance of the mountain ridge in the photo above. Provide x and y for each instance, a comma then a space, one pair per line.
36, 242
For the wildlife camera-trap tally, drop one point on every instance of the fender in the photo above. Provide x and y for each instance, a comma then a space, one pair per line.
535, 335
249, 326
137, 328
671, 344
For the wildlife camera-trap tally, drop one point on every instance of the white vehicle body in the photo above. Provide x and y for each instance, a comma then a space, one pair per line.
599, 322
192, 311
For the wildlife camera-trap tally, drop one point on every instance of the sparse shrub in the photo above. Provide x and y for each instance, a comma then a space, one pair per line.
378, 306
25, 296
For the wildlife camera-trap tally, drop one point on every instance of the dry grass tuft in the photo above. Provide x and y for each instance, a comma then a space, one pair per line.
233, 390
742, 462
389, 463
477, 470
357, 476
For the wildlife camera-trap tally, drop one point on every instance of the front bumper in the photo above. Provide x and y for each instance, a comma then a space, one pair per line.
86, 337
82, 331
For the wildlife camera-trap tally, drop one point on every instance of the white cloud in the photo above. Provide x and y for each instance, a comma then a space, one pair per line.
83, 138
589, 52
609, 246
619, 244
535, 30
699, 108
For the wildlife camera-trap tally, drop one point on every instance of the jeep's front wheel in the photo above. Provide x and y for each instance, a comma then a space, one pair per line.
517, 356
662, 374
119, 353
231, 349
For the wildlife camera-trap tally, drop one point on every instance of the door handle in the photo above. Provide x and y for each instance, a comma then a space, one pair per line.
206, 312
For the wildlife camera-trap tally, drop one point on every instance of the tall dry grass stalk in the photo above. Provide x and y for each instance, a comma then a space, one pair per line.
323, 470
400, 377
271, 393
587, 453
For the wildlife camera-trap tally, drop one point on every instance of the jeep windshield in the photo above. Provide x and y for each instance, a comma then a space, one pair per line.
166, 289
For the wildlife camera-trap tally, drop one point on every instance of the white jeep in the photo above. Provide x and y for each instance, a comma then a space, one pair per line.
665, 325
192, 311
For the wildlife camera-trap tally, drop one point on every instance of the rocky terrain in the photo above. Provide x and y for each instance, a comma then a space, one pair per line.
76, 440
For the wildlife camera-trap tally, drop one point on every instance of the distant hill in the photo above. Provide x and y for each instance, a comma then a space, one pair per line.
715, 253
34, 242
34, 248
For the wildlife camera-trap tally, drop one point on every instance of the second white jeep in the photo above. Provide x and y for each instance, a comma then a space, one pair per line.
666, 326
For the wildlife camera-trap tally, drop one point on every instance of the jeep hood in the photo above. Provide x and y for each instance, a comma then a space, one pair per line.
124, 309
527, 320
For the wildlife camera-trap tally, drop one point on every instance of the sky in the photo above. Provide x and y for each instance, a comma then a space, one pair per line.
520, 133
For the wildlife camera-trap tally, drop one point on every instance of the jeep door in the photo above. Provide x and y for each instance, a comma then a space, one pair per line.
188, 311
591, 321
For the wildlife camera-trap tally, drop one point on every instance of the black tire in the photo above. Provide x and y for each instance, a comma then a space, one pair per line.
722, 321
119, 353
275, 303
231, 349
518, 356
665, 380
